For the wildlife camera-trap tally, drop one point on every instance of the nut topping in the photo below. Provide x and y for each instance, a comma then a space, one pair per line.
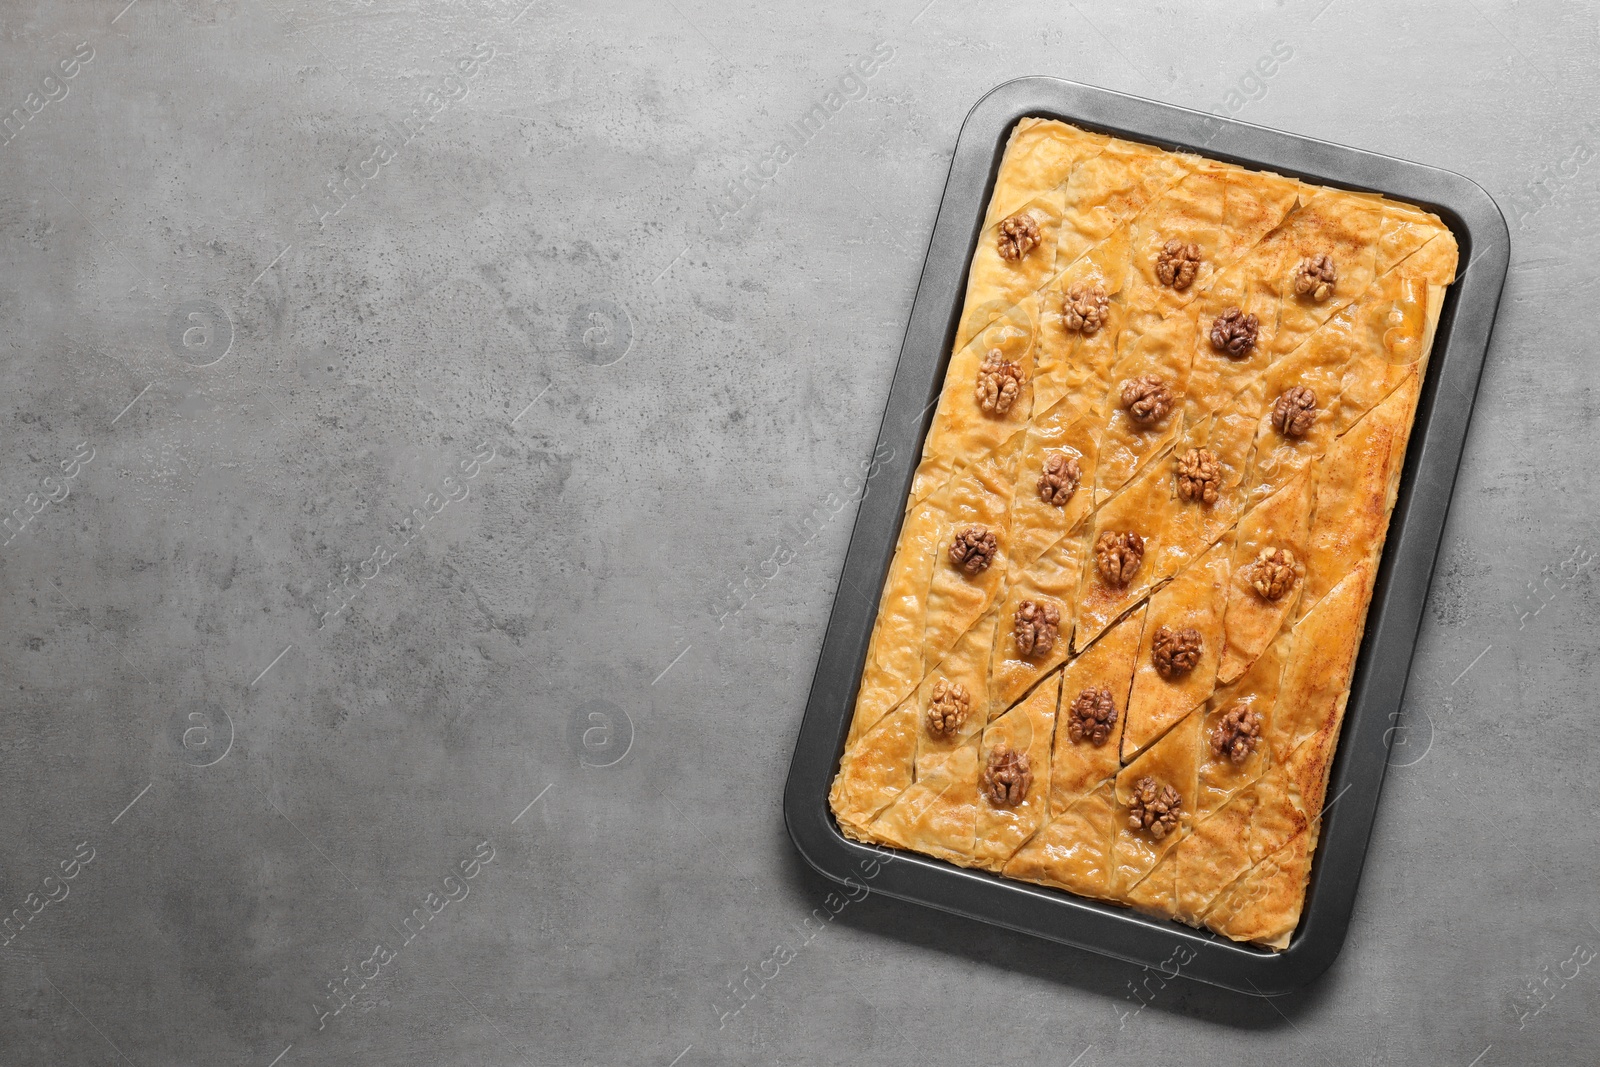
1092, 716
1018, 236
1147, 399
1295, 411
1007, 778
999, 382
1155, 808
1234, 332
1315, 277
973, 549
1060, 479
1036, 626
1273, 573
1117, 556
1176, 652
1085, 309
1178, 263
1237, 735
1199, 474
948, 708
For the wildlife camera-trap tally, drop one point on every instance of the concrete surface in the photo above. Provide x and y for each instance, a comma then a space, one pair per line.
281, 278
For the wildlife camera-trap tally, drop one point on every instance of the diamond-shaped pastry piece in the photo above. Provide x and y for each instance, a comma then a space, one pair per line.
1026, 729
1264, 905
967, 666
1171, 761
1137, 509
1192, 600
1321, 659
1040, 156
1405, 230
938, 814
895, 655
1344, 226
1215, 854
1128, 444
1353, 495
877, 768
1157, 893
979, 496
1111, 187
1013, 279
1077, 362
1073, 851
1395, 322
1251, 621
962, 433
1069, 430
1051, 579
1078, 765
1256, 691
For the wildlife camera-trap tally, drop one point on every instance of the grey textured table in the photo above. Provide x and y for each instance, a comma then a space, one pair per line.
427, 444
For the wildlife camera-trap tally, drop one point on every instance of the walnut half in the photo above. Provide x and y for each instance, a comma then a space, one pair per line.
1315, 277
1155, 808
1235, 332
1093, 715
1237, 735
948, 708
999, 383
1007, 777
1146, 398
1059, 479
1295, 411
1117, 556
1019, 235
1178, 263
973, 549
1036, 626
1176, 652
1085, 309
1273, 573
1199, 474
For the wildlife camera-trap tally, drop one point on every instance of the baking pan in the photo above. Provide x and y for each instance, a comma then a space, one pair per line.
1403, 575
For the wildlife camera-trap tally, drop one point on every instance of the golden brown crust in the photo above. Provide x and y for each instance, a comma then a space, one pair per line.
1039, 156
1226, 653
894, 656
